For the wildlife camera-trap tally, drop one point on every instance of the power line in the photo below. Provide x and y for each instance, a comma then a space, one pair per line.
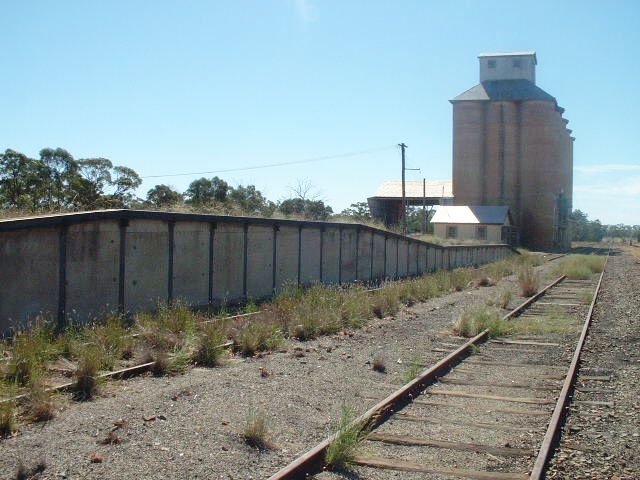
279, 164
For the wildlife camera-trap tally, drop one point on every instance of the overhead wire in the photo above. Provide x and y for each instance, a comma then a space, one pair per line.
278, 164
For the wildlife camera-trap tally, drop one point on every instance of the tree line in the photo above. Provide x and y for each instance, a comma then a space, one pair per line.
585, 230
56, 181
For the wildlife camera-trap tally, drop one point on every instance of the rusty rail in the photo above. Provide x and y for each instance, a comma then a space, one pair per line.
553, 431
313, 461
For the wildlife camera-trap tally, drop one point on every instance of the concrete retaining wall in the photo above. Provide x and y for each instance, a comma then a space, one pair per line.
80, 267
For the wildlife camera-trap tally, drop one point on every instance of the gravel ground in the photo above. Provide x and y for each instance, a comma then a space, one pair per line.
603, 442
189, 426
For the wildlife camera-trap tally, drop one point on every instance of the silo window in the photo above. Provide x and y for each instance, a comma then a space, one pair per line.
492, 64
517, 63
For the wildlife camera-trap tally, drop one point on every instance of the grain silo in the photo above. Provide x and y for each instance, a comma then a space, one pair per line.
511, 146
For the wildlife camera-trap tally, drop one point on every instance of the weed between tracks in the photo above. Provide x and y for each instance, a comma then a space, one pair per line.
474, 321
580, 267
347, 440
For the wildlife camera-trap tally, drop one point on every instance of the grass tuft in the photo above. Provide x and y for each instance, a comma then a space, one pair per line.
87, 373
7, 417
472, 322
528, 281
413, 370
347, 440
256, 430
502, 299
41, 406
31, 349
210, 348
257, 336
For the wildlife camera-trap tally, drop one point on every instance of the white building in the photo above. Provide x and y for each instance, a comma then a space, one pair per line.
491, 224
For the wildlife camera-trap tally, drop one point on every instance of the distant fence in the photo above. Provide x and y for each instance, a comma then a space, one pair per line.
82, 266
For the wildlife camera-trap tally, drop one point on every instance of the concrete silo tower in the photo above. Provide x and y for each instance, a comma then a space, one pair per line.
511, 146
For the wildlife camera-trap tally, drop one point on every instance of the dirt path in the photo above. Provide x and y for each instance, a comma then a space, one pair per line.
198, 417
603, 442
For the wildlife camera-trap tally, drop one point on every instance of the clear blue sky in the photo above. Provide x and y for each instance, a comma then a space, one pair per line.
188, 86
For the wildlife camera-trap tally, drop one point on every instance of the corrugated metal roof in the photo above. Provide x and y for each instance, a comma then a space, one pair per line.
508, 54
413, 189
519, 89
491, 215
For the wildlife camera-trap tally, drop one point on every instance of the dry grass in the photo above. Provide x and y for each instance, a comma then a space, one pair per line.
210, 348
87, 373
528, 280
502, 299
256, 430
7, 417
30, 350
160, 361
41, 406
256, 335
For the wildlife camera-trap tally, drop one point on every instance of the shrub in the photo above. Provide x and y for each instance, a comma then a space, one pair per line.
528, 281
256, 430
472, 322
347, 439
210, 346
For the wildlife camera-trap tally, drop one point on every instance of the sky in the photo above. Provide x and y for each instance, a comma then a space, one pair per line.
172, 87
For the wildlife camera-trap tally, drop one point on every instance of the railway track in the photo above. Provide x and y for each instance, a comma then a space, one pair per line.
491, 409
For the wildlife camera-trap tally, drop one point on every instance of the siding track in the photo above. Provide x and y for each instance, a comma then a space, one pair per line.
494, 413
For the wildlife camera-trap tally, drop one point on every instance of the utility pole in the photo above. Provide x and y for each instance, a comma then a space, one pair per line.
424, 205
404, 196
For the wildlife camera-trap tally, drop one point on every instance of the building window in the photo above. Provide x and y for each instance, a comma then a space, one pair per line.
492, 64
481, 233
452, 232
517, 63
